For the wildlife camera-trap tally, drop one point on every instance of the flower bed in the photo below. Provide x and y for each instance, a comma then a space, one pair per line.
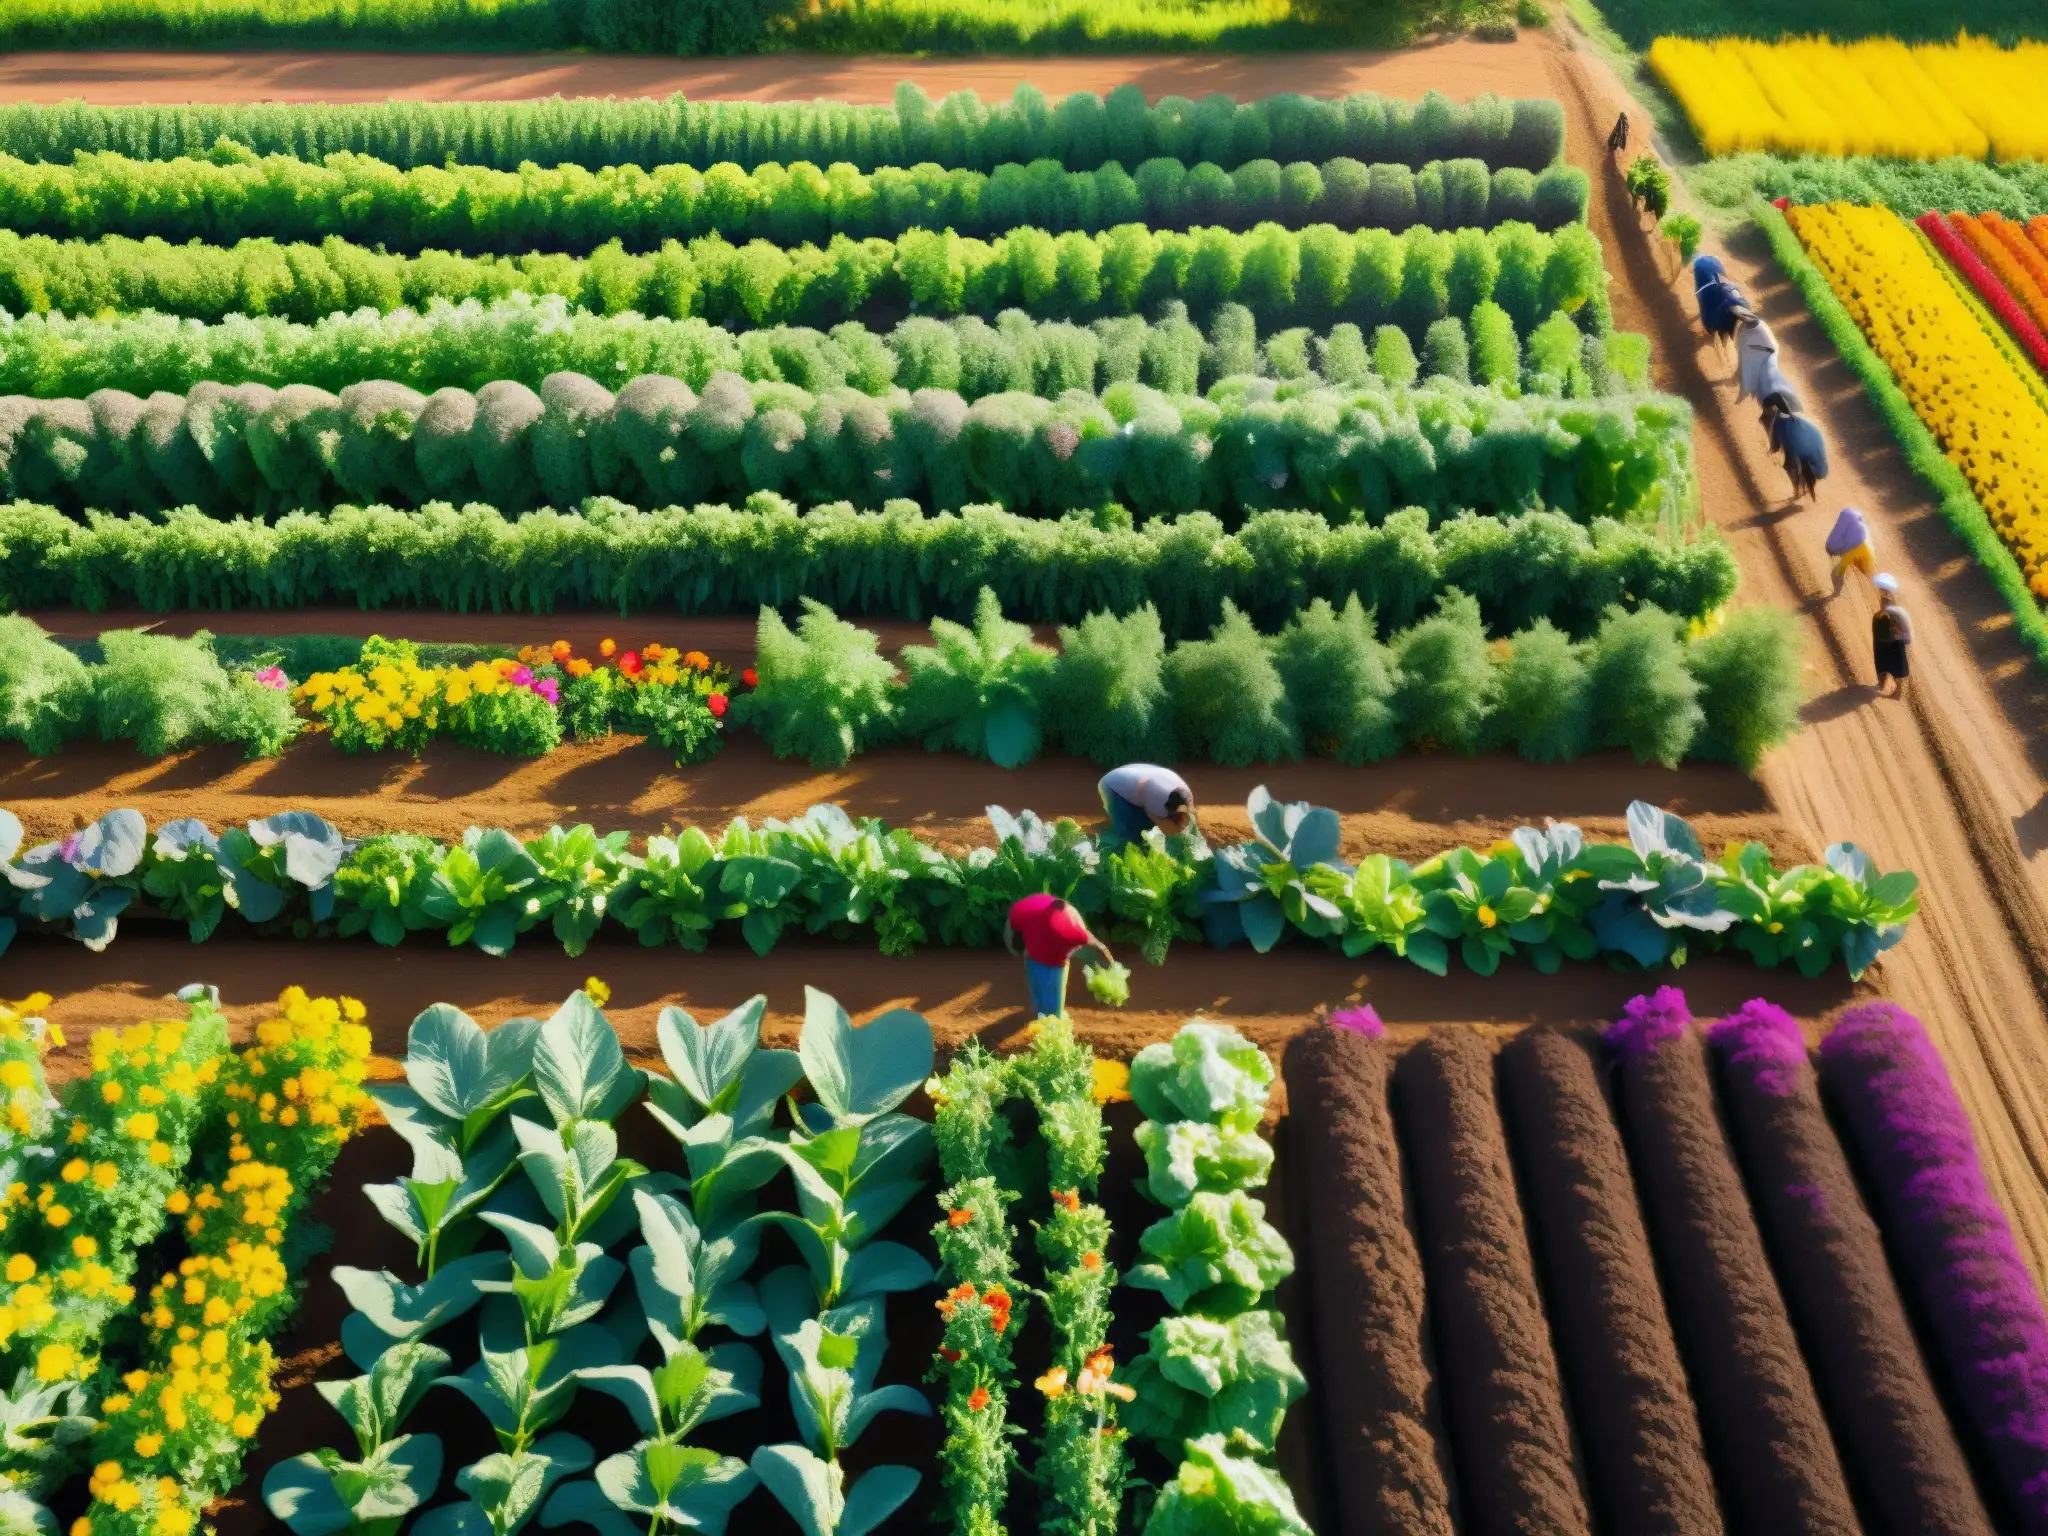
1961, 384
1545, 896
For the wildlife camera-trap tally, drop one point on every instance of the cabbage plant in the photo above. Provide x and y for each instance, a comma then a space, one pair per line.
323, 1493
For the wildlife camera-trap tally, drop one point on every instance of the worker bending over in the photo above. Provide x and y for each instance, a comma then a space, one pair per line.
1140, 796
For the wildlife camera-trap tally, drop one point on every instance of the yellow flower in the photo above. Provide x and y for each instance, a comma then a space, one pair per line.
56, 1362
1487, 916
1112, 1081
596, 991
20, 1268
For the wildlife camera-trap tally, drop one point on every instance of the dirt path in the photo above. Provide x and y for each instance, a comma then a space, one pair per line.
1953, 784
1460, 68
1948, 784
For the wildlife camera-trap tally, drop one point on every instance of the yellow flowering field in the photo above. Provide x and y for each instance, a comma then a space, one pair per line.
1875, 97
1963, 384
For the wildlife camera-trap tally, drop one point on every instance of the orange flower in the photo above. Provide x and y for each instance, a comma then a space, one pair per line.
1068, 1200
560, 649
1095, 1377
998, 1302
953, 1298
1053, 1382
607, 647
1091, 1261
578, 667
977, 1399
696, 659
959, 1217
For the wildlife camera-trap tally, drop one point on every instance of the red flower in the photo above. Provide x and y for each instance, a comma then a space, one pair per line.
950, 1356
750, 677
716, 704
629, 663
998, 1302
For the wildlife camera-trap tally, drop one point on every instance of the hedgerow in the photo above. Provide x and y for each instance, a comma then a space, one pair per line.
1251, 445
1319, 275
467, 345
894, 563
570, 208
2017, 189
1082, 131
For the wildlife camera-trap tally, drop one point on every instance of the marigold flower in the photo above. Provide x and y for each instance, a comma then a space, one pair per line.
959, 1216
977, 1399
606, 648
1054, 1382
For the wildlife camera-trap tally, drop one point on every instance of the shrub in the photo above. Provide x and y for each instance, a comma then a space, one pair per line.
823, 691
1445, 353
1496, 350
1683, 231
1546, 708
1107, 700
1229, 703
1447, 683
166, 694
46, 693
1644, 698
1750, 688
977, 690
1393, 359
1341, 681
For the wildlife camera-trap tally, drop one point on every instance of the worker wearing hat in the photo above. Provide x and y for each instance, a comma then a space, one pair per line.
1849, 543
1891, 636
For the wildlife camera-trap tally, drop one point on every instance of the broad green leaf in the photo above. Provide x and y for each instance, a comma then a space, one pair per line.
860, 1073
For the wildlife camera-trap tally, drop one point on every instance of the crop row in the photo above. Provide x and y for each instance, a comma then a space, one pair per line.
466, 346
1113, 691
174, 1150
1318, 275
896, 563
1969, 97
569, 208
1082, 131
1362, 450
1546, 896
2017, 189
1969, 390
1698, 1392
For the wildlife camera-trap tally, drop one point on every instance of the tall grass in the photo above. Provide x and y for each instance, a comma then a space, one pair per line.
1640, 22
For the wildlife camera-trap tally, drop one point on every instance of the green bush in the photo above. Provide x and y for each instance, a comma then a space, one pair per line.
1362, 450
1545, 710
823, 691
166, 694
1229, 703
46, 694
1107, 700
1312, 276
1496, 349
1644, 698
1341, 680
1751, 691
1446, 683
569, 208
893, 563
1445, 353
1393, 359
977, 690
513, 721
2018, 189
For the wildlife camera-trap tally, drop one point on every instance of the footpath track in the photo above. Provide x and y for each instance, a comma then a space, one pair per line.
1952, 783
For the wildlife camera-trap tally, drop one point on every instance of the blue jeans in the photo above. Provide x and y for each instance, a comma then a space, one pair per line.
1128, 821
1048, 985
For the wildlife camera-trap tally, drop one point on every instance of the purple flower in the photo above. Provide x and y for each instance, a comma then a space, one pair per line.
1955, 1248
1647, 1022
523, 676
1363, 1020
549, 689
1766, 1040
68, 849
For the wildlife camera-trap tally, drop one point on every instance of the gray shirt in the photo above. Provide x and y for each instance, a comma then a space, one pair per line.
1145, 785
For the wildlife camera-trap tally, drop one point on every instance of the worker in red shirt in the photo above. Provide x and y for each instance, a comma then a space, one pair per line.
1051, 930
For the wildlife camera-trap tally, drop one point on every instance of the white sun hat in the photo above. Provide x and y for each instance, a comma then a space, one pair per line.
1885, 581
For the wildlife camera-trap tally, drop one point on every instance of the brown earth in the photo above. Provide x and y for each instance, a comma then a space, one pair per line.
1950, 783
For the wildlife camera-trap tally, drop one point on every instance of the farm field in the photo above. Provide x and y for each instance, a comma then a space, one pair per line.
1453, 1033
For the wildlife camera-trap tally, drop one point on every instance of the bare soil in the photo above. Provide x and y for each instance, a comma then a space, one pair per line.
1952, 783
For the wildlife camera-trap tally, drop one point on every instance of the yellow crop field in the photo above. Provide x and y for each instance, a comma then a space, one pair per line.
1878, 97
1965, 386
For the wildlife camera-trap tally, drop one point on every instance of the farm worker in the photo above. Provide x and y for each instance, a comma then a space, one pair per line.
1756, 360
1891, 633
1805, 450
1719, 299
1140, 796
1051, 930
1849, 543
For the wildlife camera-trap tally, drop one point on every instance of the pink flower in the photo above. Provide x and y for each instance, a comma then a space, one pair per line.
273, 677
549, 689
523, 676
1363, 1020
